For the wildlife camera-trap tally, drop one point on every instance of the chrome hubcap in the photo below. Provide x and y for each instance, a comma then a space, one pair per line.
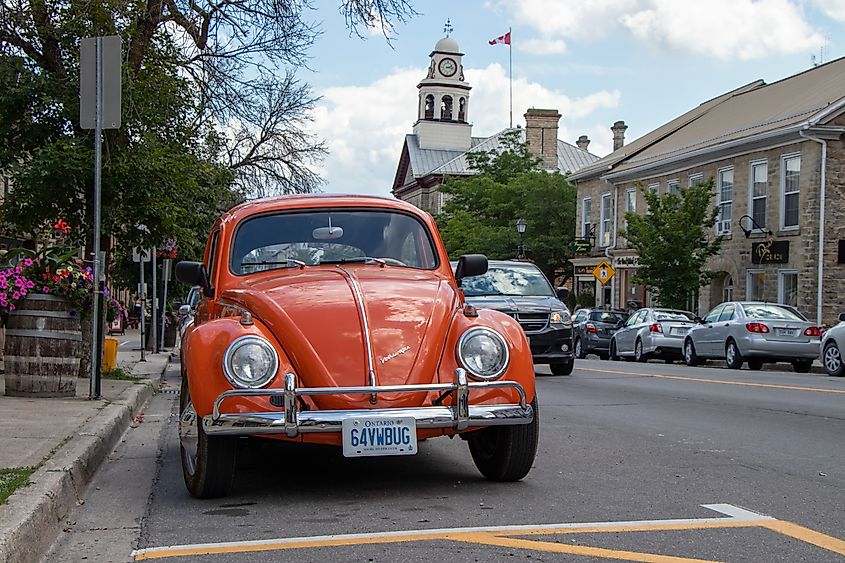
577, 347
832, 358
639, 350
731, 354
688, 350
188, 437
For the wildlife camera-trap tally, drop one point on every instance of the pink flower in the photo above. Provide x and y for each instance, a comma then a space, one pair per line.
16, 295
45, 289
27, 262
11, 307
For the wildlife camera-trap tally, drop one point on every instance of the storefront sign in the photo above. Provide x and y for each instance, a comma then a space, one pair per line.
626, 262
770, 252
584, 270
581, 246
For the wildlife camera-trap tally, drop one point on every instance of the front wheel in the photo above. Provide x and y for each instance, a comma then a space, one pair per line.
562, 368
733, 358
208, 462
579, 350
506, 453
832, 359
690, 357
638, 352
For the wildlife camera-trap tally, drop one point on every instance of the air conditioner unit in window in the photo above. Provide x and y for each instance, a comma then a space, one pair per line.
724, 226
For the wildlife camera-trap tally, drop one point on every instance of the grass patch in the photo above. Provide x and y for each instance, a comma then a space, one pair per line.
12, 480
120, 375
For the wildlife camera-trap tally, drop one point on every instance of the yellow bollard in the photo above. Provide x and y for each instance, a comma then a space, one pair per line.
109, 354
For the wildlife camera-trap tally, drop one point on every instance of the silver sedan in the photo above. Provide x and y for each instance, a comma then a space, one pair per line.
832, 344
755, 332
652, 332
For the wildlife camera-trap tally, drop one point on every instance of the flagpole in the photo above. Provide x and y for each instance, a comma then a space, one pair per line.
510, 74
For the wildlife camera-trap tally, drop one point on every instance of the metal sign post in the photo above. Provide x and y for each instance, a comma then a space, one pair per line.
99, 90
165, 276
142, 255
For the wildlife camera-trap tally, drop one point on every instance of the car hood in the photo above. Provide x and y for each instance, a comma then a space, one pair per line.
516, 303
315, 314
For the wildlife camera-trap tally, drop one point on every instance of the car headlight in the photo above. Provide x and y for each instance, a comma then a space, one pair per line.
560, 318
483, 352
250, 362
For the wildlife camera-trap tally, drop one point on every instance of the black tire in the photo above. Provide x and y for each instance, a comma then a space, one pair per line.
755, 364
690, 357
832, 359
579, 349
638, 352
733, 358
802, 366
562, 368
211, 473
506, 453
612, 353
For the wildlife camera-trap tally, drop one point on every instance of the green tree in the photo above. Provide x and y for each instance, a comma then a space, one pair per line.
673, 243
481, 211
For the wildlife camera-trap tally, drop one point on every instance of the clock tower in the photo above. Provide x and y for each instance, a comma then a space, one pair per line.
442, 114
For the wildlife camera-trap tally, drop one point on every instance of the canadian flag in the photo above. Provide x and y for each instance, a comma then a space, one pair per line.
506, 39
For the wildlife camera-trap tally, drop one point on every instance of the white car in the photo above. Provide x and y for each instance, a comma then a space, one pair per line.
831, 346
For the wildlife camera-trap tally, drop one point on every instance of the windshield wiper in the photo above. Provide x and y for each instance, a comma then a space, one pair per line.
354, 260
289, 262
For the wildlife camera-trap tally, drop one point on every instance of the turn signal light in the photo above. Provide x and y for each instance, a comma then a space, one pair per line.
756, 327
591, 328
813, 331
655, 327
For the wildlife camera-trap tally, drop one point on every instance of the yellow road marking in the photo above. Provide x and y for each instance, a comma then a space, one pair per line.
722, 381
642, 528
551, 547
807, 535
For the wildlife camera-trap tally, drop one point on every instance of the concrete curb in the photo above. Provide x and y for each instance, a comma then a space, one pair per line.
33, 516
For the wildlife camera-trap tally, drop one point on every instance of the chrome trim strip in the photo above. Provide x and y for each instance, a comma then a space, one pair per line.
461, 400
368, 342
290, 405
245, 424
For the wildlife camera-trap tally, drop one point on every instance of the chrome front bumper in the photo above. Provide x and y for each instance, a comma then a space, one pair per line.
291, 422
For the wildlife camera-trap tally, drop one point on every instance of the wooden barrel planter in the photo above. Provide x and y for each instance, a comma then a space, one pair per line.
43, 347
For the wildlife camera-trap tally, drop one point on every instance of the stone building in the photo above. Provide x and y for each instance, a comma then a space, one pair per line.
777, 156
442, 134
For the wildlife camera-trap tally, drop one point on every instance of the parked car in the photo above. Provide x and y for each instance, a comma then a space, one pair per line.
831, 345
522, 291
188, 309
338, 320
652, 332
740, 331
592, 329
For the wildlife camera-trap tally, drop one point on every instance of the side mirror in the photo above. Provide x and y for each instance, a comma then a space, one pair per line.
698, 320
194, 273
842, 317
562, 292
470, 265
184, 310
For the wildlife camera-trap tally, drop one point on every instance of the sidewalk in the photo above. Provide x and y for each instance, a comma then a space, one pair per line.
65, 440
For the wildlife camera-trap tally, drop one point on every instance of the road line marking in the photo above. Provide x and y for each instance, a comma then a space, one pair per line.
807, 535
722, 381
552, 547
737, 518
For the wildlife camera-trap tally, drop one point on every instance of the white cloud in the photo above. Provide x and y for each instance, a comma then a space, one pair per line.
542, 46
746, 29
365, 126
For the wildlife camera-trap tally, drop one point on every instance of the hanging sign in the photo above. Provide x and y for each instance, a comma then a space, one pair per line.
770, 252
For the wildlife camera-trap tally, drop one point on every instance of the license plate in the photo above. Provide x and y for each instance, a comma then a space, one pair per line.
372, 436
785, 332
679, 331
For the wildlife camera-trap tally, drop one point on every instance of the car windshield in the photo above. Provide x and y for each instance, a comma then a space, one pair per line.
608, 317
310, 238
773, 312
512, 279
673, 316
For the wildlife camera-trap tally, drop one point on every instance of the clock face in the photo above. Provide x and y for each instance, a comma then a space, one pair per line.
448, 67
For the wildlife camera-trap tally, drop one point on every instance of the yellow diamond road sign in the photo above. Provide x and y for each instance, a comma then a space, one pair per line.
604, 272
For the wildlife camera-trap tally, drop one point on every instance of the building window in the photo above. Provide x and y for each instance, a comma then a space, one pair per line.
653, 188
728, 289
446, 107
759, 179
694, 179
630, 202
673, 187
586, 217
725, 197
756, 285
462, 109
429, 107
788, 287
606, 219
790, 167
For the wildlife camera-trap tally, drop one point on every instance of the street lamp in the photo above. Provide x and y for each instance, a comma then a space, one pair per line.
520, 228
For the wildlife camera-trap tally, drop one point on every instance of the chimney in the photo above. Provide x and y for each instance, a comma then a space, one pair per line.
618, 134
583, 142
541, 135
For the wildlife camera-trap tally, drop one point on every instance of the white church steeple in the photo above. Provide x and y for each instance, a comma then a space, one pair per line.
443, 110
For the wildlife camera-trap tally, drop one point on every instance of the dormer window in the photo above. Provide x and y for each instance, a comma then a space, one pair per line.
429, 107
462, 110
446, 107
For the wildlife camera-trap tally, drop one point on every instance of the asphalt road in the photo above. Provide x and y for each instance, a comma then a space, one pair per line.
620, 442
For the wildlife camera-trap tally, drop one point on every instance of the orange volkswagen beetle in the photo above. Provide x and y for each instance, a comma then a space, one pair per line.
337, 320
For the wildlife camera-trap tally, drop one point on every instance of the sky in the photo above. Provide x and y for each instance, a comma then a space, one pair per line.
596, 61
